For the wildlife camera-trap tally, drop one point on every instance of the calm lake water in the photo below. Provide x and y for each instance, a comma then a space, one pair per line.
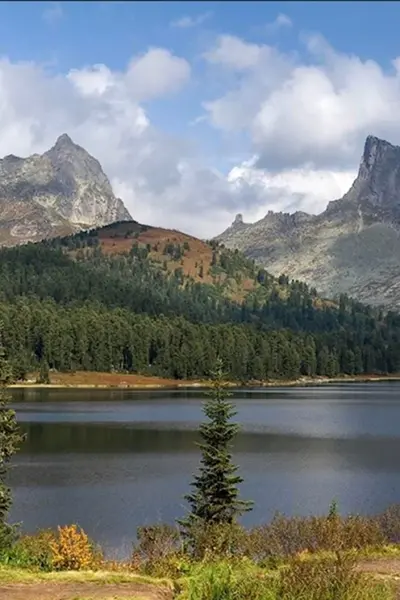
113, 460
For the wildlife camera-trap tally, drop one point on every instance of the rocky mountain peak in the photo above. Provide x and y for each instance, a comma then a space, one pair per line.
74, 164
377, 185
63, 190
64, 141
379, 155
238, 219
375, 151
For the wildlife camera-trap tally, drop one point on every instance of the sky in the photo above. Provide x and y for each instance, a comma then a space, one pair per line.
199, 111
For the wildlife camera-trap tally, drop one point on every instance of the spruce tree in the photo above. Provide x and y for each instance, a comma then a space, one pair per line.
215, 497
44, 372
10, 439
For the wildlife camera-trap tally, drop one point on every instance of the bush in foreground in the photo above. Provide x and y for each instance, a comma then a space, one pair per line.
67, 549
266, 545
32, 551
158, 552
73, 551
287, 536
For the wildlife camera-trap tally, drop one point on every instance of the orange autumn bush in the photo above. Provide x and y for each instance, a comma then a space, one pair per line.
73, 550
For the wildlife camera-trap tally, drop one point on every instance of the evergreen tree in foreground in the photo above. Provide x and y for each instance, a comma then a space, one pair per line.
215, 500
10, 439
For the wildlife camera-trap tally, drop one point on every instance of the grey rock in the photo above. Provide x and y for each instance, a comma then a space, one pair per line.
352, 247
59, 192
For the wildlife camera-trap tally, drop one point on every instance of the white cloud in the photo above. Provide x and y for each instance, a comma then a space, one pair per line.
158, 177
304, 189
318, 111
156, 73
188, 22
282, 21
306, 121
53, 13
233, 53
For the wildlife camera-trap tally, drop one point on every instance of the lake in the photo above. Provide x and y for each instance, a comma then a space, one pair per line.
115, 459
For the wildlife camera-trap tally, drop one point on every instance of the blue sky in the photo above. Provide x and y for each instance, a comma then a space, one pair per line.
67, 35
89, 32
233, 128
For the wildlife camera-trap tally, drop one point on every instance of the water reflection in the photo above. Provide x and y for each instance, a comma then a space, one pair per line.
114, 460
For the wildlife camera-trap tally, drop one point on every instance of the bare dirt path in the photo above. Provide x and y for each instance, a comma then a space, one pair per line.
380, 566
49, 590
386, 568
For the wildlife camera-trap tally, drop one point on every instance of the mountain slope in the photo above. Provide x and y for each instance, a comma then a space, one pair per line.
128, 297
56, 193
133, 298
353, 247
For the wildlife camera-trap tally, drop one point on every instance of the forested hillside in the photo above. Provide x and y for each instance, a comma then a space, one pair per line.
135, 299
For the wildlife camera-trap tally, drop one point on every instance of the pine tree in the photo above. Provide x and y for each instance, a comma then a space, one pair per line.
215, 500
10, 439
44, 372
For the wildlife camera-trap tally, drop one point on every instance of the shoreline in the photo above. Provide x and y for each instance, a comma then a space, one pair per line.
116, 381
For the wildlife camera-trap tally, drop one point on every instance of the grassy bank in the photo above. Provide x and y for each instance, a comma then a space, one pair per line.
220, 580
306, 578
298, 558
95, 380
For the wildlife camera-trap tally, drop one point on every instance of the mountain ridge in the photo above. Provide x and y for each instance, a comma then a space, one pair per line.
352, 247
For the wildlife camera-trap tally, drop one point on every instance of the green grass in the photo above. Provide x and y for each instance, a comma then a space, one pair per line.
301, 580
17, 575
240, 579
388, 551
226, 581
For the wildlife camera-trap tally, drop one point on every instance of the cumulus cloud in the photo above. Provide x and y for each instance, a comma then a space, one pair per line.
156, 73
306, 116
157, 175
301, 189
188, 22
234, 53
281, 21
305, 122
318, 111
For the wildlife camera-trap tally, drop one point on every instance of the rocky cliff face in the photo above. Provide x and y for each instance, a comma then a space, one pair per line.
56, 193
352, 247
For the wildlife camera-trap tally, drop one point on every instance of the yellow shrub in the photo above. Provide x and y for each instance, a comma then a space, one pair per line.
72, 550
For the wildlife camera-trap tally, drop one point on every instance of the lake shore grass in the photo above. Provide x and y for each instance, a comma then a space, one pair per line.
26, 575
291, 558
96, 380
378, 572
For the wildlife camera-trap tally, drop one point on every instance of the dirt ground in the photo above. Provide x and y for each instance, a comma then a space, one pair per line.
90, 379
383, 568
82, 591
380, 566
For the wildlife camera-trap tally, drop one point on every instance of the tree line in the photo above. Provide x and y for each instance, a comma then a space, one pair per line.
90, 311
95, 338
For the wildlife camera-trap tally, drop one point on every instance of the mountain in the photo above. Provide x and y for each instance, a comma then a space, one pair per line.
353, 247
57, 193
132, 298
